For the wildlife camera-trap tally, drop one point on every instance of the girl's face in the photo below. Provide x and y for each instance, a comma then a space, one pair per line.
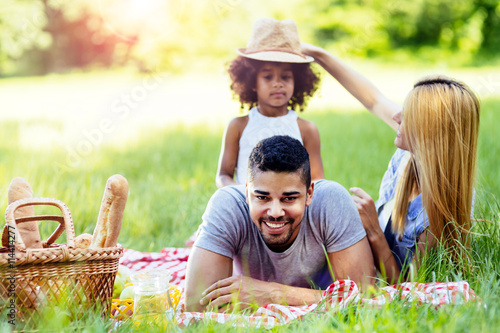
400, 140
274, 85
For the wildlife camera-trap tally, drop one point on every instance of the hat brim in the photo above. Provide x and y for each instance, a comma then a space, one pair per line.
275, 56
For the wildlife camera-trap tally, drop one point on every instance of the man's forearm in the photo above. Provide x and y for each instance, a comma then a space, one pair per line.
246, 291
200, 274
296, 296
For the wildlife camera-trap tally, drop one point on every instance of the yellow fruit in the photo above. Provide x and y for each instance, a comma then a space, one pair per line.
124, 272
118, 286
127, 293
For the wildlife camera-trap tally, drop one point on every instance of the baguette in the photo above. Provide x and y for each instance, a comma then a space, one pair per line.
109, 221
19, 188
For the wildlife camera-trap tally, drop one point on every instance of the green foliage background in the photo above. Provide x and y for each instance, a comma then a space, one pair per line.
171, 172
171, 169
42, 36
171, 176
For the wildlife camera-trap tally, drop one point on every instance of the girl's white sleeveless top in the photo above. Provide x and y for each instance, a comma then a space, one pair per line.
260, 127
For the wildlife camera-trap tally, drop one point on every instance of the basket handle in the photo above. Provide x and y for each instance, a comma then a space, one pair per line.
65, 221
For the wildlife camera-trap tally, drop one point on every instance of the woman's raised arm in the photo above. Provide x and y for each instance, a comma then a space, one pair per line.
358, 85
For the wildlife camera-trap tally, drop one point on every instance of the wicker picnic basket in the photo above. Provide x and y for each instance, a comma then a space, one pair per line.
34, 280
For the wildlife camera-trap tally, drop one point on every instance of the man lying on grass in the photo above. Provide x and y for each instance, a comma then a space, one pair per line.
266, 242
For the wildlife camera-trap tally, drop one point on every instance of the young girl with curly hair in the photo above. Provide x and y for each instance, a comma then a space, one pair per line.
272, 78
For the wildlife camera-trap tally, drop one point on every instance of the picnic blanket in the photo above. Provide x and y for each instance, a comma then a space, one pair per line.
340, 294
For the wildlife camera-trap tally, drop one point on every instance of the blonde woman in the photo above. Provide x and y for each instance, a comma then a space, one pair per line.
426, 195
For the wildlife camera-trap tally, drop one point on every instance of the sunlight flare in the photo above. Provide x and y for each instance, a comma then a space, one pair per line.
141, 21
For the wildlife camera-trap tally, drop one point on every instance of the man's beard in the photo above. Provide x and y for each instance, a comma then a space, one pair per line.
277, 242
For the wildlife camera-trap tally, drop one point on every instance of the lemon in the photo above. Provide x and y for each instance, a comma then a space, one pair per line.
127, 293
118, 286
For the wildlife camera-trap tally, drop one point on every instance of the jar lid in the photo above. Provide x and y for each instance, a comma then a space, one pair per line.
151, 280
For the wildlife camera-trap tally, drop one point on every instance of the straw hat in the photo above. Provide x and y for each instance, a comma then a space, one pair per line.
276, 41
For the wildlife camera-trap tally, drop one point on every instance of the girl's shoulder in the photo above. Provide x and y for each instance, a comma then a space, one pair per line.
306, 125
239, 121
309, 132
238, 124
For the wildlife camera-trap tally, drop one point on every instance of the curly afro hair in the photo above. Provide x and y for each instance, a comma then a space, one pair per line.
280, 153
243, 73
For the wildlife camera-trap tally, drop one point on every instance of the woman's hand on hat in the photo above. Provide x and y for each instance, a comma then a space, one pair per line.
310, 49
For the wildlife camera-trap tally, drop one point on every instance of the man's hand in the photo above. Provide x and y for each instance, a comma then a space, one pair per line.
218, 289
240, 292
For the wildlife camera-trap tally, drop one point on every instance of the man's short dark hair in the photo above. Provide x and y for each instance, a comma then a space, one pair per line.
280, 153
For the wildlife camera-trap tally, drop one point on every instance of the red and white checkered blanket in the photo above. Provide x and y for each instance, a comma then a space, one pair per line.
339, 295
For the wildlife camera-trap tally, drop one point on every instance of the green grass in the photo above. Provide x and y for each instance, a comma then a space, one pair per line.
171, 177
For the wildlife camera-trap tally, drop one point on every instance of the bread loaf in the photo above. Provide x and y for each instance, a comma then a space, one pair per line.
109, 221
83, 241
19, 188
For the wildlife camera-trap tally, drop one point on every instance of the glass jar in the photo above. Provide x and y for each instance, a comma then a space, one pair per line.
152, 305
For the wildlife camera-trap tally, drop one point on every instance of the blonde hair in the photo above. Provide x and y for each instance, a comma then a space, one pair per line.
441, 122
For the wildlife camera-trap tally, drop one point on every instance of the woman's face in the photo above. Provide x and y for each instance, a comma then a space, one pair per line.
400, 140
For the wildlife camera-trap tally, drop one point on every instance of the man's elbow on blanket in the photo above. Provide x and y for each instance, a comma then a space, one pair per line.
204, 268
193, 290
192, 301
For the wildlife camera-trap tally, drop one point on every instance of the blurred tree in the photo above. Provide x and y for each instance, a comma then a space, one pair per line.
21, 24
423, 22
41, 36
491, 25
79, 39
353, 27
370, 27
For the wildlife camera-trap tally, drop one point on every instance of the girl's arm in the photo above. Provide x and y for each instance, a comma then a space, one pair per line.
229, 152
311, 140
358, 85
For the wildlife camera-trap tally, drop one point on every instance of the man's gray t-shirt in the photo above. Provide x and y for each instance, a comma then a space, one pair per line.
331, 220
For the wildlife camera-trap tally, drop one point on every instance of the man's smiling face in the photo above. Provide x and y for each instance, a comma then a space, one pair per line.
277, 202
